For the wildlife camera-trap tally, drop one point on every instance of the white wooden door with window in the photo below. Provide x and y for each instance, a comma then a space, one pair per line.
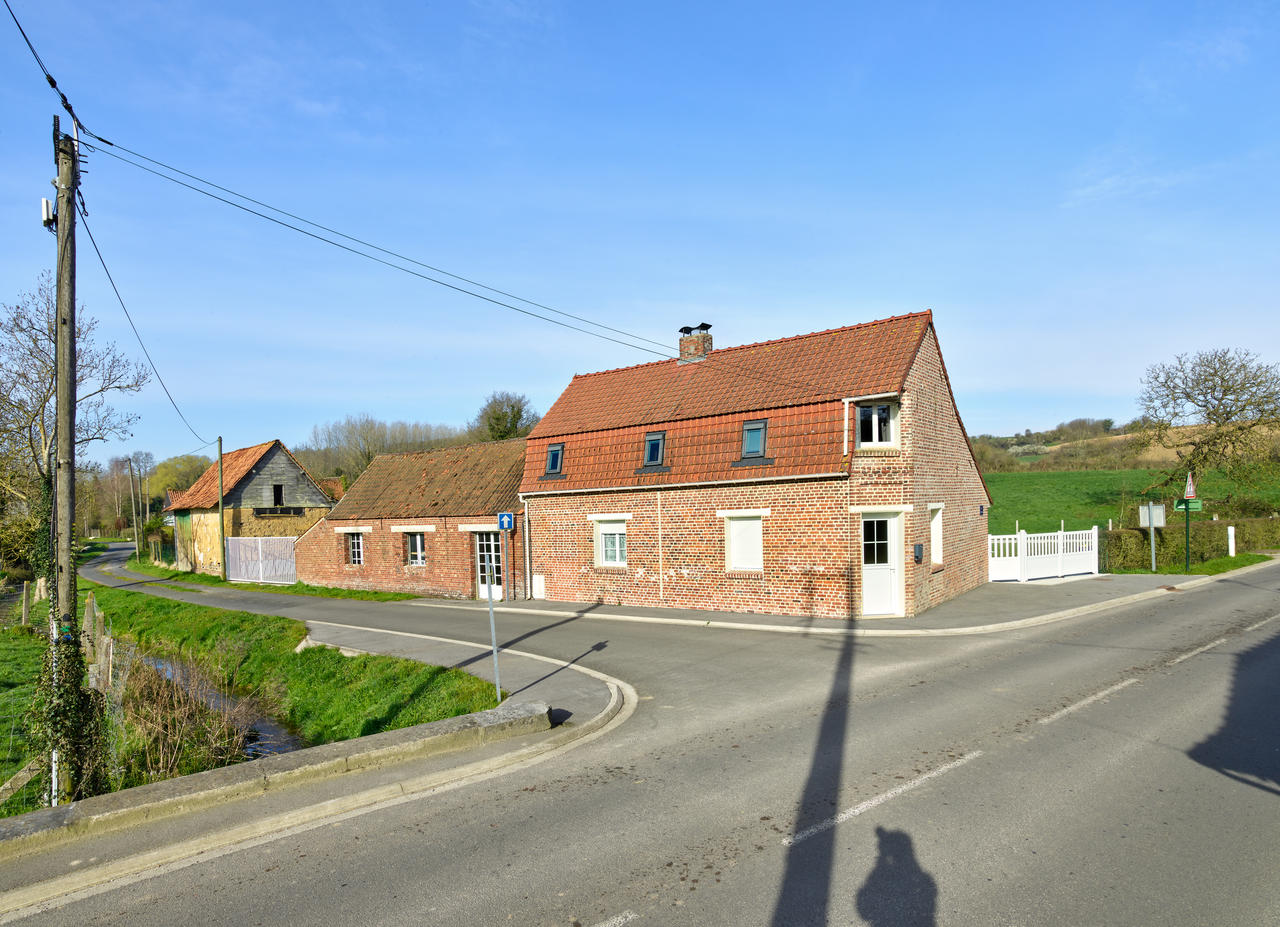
488, 564
881, 565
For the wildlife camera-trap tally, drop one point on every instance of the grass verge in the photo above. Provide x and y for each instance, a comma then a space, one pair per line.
204, 579
1207, 567
21, 651
319, 693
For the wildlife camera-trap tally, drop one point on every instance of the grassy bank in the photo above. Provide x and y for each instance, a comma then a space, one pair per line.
20, 654
1204, 568
321, 694
1040, 500
204, 579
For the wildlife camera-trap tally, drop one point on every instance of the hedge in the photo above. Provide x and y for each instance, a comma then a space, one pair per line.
1128, 548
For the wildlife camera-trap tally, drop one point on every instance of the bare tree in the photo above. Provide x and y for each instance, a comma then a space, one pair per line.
1215, 409
27, 370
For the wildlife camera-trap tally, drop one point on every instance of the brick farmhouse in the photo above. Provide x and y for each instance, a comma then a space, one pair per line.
827, 474
425, 523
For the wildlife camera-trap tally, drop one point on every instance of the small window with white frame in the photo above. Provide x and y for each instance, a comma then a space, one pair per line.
878, 424
610, 542
415, 548
355, 548
744, 540
935, 533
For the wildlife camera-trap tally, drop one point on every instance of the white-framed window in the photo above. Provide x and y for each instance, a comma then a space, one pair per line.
355, 548
415, 548
743, 539
878, 424
611, 543
935, 533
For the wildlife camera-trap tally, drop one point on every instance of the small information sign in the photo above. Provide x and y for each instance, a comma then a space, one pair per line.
1189, 505
1156, 514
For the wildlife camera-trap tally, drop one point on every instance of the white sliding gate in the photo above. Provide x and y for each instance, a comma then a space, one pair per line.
1025, 556
261, 560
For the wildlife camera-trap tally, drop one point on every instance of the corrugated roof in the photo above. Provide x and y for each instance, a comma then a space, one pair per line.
873, 357
470, 479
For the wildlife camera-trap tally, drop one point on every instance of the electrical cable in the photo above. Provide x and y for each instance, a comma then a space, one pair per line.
116, 290
371, 257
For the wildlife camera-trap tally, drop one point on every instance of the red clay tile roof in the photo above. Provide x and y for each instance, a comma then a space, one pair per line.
858, 360
470, 479
203, 493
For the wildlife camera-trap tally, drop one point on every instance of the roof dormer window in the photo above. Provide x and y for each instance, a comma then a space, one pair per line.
555, 458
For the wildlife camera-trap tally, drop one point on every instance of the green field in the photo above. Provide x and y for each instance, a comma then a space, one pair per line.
1040, 500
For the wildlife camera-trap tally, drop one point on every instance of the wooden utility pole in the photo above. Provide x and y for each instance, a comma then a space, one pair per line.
222, 529
64, 487
133, 511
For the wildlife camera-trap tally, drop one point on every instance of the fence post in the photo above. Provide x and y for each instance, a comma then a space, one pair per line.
87, 629
262, 573
1022, 556
1062, 543
26, 603
1094, 542
1231, 543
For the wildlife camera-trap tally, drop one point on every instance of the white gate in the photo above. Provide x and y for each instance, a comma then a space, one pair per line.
261, 560
1025, 556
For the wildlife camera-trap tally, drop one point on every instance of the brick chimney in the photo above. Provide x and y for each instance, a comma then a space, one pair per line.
695, 342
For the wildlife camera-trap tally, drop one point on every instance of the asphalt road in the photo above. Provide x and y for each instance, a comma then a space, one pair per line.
1120, 768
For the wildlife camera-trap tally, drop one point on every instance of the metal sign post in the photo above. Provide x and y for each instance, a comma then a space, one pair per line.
1187, 496
487, 578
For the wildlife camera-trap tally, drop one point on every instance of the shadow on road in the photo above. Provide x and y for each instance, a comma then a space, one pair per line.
1246, 747
897, 893
805, 895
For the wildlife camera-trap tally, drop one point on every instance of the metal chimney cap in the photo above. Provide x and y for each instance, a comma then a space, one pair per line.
703, 327
686, 330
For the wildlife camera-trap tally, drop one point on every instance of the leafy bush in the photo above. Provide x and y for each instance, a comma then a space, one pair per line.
1129, 549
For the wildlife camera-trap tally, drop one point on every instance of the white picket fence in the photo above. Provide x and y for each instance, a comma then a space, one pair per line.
261, 560
1025, 556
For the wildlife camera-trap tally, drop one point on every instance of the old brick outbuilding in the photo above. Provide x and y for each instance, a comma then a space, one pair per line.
425, 523
827, 474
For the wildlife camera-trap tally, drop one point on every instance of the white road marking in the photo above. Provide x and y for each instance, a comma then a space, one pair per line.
1254, 627
877, 801
1193, 653
1087, 701
619, 919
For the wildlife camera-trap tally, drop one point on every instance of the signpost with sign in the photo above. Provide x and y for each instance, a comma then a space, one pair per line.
1151, 517
1188, 505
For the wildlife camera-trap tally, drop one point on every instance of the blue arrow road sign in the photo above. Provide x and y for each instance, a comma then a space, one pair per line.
506, 521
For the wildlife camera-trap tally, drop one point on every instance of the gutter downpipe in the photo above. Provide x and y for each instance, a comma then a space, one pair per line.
528, 552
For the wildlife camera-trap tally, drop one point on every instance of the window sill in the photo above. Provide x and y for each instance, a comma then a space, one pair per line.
936, 568
744, 574
552, 476
753, 462
611, 568
640, 471
873, 451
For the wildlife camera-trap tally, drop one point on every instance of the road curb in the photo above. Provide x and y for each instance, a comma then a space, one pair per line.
1016, 624
200, 790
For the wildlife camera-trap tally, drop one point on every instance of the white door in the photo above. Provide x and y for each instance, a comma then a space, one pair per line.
488, 565
881, 570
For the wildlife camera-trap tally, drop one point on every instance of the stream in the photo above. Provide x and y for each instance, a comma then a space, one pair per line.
267, 736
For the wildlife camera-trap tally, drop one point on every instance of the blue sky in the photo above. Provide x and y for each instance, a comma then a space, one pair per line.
1077, 191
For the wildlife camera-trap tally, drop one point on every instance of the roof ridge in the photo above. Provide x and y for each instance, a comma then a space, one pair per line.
758, 344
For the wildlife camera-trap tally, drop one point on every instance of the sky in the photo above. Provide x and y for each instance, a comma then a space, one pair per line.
1076, 191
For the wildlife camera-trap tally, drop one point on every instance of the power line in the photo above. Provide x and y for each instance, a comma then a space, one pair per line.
665, 353
371, 257
375, 247
120, 299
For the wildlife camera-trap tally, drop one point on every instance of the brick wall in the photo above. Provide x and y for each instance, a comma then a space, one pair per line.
942, 471
449, 571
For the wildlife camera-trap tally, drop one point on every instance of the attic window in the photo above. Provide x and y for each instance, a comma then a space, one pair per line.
878, 424
753, 434
555, 458
277, 494
655, 447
